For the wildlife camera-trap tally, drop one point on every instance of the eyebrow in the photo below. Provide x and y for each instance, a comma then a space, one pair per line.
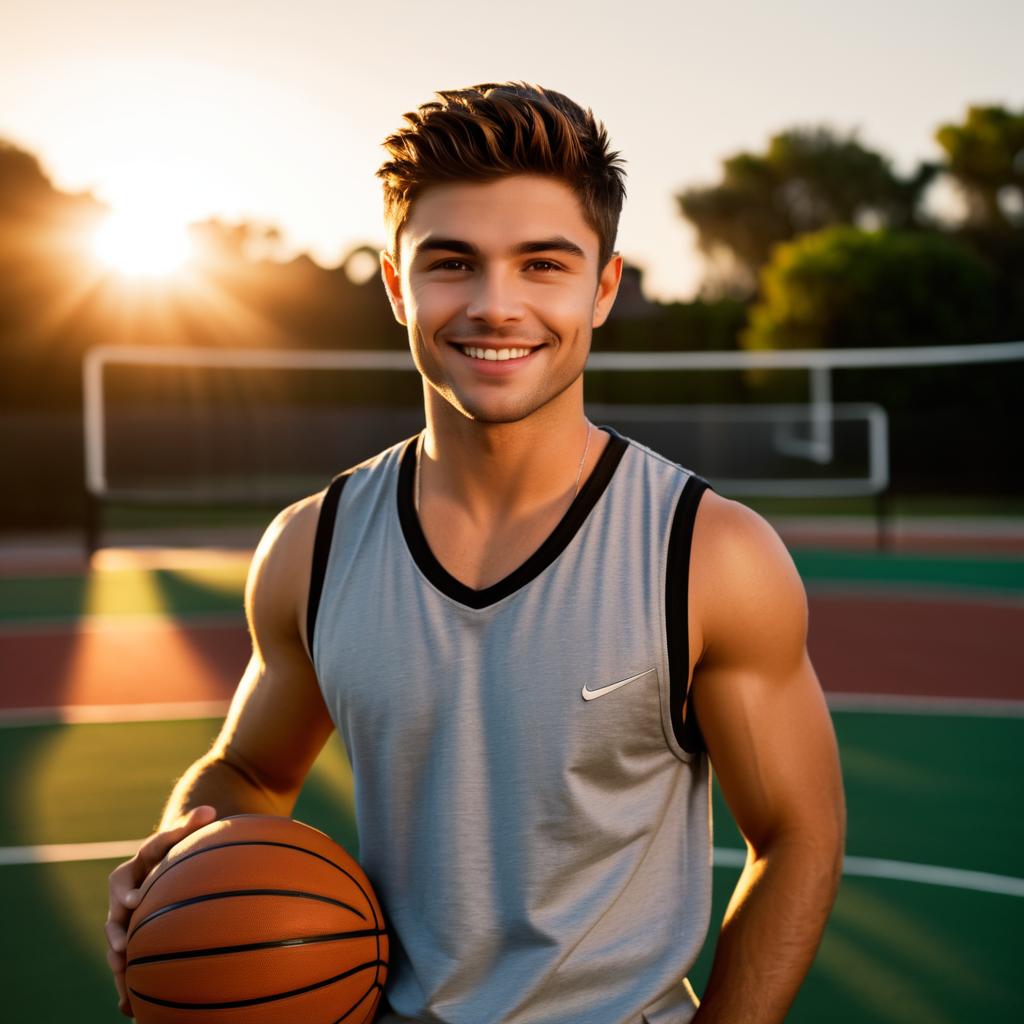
557, 243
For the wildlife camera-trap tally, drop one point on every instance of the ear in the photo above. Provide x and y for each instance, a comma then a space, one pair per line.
607, 289
393, 286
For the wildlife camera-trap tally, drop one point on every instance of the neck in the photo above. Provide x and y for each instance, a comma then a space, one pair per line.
502, 472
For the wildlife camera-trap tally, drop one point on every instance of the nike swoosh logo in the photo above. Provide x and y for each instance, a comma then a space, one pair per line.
589, 694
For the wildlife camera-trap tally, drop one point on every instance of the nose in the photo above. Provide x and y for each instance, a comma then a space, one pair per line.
495, 298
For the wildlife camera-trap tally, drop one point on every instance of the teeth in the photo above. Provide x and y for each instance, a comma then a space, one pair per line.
495, 355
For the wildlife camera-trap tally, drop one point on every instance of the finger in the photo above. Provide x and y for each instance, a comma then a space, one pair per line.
158, 845
155, 848
117, 936
120, 884
197, 817
125, 880
124, 1004
124, 891
116, 963
160, 842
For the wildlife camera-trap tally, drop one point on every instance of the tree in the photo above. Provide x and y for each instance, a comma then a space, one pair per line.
847, 288
985, 157
808, 178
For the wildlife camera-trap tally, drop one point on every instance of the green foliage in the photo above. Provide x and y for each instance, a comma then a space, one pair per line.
847, 288
985, 157
807, 179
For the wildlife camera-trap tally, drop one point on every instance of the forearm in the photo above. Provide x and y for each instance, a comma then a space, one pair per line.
770, 933
227, 784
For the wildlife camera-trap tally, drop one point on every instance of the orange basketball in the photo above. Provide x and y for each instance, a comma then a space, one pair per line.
257, 919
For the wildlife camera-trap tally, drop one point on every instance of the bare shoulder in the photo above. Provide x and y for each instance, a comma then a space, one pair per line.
748, 592
277, 722
277, 586
760, 705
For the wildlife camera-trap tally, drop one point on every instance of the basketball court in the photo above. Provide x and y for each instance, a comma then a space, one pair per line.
120, 664
117, 675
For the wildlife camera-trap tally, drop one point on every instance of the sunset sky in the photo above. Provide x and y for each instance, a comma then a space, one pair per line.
274, 111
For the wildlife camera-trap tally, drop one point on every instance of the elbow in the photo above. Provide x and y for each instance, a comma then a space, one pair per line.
271, 796
816, 849
832, 854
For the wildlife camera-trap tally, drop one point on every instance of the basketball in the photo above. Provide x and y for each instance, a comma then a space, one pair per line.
256, 919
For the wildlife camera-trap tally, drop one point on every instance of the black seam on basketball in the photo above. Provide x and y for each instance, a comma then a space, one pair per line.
349, 1012
226, 894
248, 947
376, 974
260, 842
238, 1003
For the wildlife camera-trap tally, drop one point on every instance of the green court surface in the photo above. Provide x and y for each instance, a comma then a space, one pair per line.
929, 790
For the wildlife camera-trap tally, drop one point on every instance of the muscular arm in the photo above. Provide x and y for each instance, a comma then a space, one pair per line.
275, 727
773, 749
277, 722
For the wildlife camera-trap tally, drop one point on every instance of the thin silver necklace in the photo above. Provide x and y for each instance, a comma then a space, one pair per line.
576, 489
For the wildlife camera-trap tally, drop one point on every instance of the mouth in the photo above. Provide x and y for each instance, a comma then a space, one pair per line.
512, 354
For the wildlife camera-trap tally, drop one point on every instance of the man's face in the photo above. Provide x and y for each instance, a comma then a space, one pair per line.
504, 265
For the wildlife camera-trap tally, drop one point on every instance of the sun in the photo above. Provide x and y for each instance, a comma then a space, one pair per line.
142, 242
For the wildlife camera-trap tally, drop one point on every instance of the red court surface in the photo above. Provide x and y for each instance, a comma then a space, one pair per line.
863, 640
863, 643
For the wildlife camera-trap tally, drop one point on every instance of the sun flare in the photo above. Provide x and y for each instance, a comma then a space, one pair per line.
140, 242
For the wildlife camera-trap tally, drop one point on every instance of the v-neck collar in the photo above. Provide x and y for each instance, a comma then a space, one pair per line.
557, 541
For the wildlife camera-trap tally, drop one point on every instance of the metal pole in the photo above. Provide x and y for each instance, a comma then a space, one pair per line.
882, 525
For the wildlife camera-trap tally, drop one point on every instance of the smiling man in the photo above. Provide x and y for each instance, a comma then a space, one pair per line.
500, 284
535, 635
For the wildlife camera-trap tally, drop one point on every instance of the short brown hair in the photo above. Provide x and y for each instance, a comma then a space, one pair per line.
493, 130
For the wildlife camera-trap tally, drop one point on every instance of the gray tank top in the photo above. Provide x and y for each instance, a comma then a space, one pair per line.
531, 790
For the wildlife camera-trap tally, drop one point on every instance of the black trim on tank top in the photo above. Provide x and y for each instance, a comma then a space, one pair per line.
557, 541
322, 551
684, 715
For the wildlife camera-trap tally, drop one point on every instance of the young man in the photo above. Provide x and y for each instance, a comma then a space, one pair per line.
533, 634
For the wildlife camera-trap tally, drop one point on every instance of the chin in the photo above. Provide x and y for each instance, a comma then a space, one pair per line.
508, 411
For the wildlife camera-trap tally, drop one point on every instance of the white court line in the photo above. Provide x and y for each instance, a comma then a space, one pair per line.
112, 714
867, 867
906, 704
903, 871
60, 853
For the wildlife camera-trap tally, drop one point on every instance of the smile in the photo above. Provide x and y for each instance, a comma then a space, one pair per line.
494, 354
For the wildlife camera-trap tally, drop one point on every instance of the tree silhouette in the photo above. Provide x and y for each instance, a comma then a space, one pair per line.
807, 179
846, 288
985, 158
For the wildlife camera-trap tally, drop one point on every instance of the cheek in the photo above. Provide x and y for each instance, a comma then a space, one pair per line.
569, 313
432, 309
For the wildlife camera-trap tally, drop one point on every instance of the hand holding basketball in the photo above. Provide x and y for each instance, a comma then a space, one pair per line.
256, 919
124, 890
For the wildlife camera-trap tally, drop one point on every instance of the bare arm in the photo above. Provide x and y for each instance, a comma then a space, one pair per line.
274, 729
277, 722
772, 746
